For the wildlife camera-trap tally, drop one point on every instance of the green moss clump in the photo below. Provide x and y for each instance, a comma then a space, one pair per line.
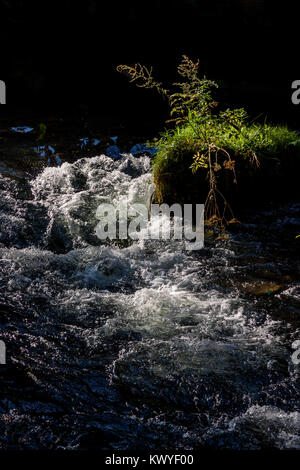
216, 157
247, 161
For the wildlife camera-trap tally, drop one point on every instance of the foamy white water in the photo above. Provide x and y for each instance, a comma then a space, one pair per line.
146, 339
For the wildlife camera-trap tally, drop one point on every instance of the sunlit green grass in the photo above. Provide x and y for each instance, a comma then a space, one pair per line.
265, 140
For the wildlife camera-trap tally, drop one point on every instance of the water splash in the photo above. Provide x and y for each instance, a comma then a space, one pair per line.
111, 346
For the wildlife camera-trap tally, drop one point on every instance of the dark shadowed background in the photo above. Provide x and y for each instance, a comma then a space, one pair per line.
62, 54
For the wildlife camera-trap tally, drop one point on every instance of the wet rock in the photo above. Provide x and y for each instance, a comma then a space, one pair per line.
142, 149
113, 151
259, 287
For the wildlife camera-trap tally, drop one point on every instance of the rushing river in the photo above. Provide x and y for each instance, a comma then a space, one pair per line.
142, 346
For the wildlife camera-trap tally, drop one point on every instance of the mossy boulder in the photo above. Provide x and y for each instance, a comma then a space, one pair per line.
271, 175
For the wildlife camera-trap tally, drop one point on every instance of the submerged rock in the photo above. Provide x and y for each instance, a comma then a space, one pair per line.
259, 287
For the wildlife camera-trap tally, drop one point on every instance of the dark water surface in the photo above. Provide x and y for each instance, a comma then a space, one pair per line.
144, 346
